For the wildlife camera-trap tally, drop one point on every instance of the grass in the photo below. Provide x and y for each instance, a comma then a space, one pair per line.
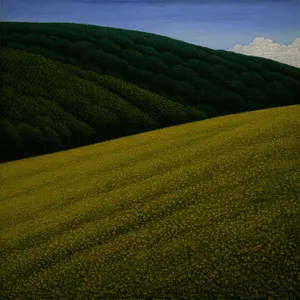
205, 210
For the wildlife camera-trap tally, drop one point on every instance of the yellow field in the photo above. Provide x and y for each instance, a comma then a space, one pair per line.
205, 210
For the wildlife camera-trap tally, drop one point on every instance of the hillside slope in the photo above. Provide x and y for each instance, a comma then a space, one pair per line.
214, 81
48, 106
205, 210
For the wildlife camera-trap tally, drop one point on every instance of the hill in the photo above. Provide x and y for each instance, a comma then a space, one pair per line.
205, 210
227, 82
154, 82
49, 106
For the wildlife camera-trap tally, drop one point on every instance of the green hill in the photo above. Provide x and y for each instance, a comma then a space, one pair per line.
154, 82
50, 106
205, 210
224, 81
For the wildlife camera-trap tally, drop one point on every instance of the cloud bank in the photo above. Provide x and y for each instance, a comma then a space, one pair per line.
266, 48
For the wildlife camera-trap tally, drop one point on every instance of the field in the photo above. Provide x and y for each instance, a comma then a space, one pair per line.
205, 210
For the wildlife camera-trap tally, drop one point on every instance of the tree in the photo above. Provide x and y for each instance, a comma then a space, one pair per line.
237, 67
161, 82
62, 46
192, 52
221, 75
232, 102
146, 77
256, 66
291, 84
16, 38
153, 64
108, 46
170, 59
211, 97
123, 67
215, 59
64, 132
53, 140
223, 70
123, 41
256, 98
203, 84
81, 132
11, 143
181, 72
31, 39
132, 119
80, 49
134, 74
186, 51
147, 50
252, 79
133, 57
195, 114
175, 113
273, 76
207, 109
64, 98
100, 60
146, 39
279, 94
34, 139
226, 55
202, 68
104, 122
185, 89
237, 87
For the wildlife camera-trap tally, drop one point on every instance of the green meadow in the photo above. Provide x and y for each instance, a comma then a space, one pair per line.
135, 166
205, 210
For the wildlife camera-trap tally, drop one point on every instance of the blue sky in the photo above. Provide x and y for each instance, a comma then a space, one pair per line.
216, 24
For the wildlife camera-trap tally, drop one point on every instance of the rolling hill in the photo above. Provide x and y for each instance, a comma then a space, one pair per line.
205, 210
50, 106
135, 166
68, 85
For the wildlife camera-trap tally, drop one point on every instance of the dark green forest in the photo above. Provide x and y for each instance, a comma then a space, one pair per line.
66, 85
50, 106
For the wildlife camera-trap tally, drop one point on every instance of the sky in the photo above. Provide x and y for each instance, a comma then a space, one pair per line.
267, 28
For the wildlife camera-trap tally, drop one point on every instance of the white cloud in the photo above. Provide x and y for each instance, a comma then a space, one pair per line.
268, 49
